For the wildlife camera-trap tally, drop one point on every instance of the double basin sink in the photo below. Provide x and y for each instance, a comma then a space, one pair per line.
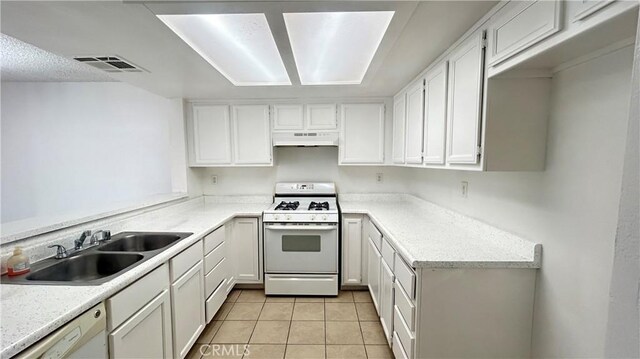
101, 263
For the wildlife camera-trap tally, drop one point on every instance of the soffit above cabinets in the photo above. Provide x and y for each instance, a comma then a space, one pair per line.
417, 34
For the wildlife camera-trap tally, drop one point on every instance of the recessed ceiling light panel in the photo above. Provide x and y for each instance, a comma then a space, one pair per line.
335, 48
240, 46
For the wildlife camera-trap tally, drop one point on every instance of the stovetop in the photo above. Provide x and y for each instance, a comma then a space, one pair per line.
309, 202
287, 205
302, 209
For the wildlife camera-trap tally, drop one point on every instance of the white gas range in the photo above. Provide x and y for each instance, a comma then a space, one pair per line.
301, 240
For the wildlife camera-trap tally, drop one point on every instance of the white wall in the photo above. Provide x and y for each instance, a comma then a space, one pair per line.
571, 207
71, 147
623, 329
301, 164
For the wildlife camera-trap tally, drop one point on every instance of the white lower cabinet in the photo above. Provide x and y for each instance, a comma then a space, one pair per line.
147, 334
187, 309
246, 243
386, 300
139, 318
373, 273
352, 250
447, 312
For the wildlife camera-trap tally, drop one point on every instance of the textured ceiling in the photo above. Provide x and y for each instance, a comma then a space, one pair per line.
20, 61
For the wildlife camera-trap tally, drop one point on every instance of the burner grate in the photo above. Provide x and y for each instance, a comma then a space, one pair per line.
319, 206
287, 206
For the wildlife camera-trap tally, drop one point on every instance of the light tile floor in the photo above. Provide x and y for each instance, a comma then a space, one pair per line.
252, 325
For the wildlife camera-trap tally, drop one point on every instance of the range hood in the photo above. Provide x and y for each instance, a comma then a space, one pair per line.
305, 138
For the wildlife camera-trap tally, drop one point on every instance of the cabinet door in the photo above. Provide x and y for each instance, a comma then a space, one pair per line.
520, 25
386, 300
435, 115
247, 244
413, 137
352, 250
322, 117
585, 8
399, 106
288, 117
210, 135
362, 135
464, 110
187, 302
147, 334
251, 135
373, 274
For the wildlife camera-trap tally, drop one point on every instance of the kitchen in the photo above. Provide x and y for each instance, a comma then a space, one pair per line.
319, 179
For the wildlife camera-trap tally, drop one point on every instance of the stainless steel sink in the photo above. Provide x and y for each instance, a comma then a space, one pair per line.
141, 242
87, 267
101, 263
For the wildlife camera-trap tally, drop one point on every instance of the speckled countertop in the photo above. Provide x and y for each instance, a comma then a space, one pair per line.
427, 235
30, 312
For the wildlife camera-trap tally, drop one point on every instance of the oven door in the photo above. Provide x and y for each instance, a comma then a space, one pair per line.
301, 248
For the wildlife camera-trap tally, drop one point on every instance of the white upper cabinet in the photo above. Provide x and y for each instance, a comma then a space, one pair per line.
251, 135
585, 8
288, 117
465, 100
322, 117
362, 134
435, 115
399, 112
413, 138
521, 25
210, 140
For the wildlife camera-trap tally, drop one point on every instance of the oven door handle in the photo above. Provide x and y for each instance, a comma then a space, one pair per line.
277, 227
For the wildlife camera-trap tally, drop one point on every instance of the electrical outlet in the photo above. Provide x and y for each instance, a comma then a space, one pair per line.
214, 179
379, 177
464, 190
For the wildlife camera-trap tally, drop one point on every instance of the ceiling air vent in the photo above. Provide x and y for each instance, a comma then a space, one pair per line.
109, 63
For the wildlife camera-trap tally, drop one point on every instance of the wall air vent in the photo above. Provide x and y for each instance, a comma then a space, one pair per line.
109, 63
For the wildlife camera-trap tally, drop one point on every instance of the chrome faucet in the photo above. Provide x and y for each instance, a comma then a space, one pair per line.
100, 236
78, 242
61, 251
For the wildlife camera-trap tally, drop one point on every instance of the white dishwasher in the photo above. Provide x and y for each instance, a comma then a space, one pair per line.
83, 337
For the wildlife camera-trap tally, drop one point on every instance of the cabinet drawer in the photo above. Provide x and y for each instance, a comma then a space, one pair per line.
405, 306
375, 235
213, 239
387, 252
184, 261
213, 258
398, 350
404, 334
521, 25
129, 300
215, 300
405, 276
215, 277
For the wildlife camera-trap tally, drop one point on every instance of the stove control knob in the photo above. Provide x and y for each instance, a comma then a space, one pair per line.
276, 217
324, 218
288, 217
313, 217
